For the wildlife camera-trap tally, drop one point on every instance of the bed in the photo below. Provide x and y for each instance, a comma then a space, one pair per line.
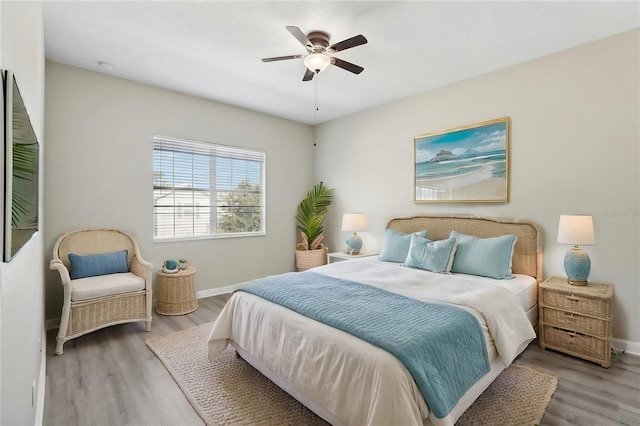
347, 380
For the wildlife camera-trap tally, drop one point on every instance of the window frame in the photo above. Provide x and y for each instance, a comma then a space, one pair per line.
187, 146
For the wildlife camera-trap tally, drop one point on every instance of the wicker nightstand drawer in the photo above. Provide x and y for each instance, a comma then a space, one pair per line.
577, 303
578, 344
576, 322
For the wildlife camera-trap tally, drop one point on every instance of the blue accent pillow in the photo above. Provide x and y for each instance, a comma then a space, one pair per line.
98, 264
487, 257
395, 245
434, 256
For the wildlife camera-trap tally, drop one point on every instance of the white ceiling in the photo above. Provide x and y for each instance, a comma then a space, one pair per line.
212, 49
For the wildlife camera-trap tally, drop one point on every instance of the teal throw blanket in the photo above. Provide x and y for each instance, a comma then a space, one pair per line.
442, 346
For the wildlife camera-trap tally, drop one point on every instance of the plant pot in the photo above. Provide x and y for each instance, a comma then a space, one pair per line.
307, 259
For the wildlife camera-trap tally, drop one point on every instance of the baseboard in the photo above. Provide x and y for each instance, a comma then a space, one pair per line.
627, 346
42, 380
52, 323
218, 291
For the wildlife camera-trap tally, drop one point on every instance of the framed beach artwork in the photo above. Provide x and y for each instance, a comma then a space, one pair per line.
468, 164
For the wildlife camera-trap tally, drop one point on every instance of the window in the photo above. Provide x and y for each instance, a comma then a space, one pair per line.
206, 190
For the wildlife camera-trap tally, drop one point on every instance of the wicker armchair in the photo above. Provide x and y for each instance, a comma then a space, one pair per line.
100, 301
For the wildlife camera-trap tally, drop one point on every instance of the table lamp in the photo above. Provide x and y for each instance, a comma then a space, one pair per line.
354, 222
576, 230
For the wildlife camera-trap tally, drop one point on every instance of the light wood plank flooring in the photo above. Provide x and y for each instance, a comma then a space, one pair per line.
110, 377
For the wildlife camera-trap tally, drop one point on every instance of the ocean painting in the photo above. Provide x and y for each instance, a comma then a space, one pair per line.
465, 164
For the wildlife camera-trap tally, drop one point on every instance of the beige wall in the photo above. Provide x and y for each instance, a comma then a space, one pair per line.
22, 293
574, 149
575, 121
99, 171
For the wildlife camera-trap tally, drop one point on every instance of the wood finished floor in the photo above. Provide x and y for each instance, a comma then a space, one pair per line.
110, 377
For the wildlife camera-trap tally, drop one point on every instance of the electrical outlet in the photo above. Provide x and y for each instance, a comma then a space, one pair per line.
616, 352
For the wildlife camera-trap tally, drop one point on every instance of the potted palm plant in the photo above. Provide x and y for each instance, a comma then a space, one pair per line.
309, 219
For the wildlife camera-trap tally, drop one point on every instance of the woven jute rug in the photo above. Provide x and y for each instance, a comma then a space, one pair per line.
229, 391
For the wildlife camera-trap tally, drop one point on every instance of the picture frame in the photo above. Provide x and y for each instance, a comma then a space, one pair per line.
3, 137
21, 171
467, 164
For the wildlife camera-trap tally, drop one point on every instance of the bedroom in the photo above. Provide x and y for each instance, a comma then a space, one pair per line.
580, 104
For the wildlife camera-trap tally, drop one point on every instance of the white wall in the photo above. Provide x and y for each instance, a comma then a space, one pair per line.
22, 292
575, 122
99, 171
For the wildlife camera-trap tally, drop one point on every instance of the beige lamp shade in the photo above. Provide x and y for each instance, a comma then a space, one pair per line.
354, 222
576, 230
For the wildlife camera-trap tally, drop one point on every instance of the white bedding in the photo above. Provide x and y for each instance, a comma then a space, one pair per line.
333, 372
523, 287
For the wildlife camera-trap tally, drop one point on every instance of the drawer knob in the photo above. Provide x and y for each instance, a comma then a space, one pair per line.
572, 299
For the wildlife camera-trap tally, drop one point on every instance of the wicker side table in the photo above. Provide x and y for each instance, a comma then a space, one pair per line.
177, 292
576, 319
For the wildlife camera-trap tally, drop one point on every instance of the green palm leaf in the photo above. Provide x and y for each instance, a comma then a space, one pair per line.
312, 210
25, 170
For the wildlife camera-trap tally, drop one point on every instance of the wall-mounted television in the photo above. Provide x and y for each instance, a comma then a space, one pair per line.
21, 165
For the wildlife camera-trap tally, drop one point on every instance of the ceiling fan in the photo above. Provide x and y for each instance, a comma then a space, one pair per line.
318, 48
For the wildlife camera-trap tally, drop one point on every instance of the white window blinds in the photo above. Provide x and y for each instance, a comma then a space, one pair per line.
206, 190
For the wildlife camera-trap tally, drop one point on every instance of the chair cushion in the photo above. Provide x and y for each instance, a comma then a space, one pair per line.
105, 285
98, 264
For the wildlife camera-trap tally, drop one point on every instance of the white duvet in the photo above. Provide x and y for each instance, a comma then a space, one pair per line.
349, 381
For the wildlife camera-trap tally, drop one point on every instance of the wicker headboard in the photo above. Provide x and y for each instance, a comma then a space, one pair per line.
527, 254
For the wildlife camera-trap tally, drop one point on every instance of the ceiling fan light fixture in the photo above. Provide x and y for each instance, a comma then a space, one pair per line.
317, 62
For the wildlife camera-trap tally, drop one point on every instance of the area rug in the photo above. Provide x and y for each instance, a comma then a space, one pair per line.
229, 391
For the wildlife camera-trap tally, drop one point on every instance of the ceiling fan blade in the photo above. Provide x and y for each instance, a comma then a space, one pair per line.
348, 43
308, 75
301, 37
282, 58
347, 65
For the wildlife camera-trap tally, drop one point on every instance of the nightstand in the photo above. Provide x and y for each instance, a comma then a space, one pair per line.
340, 256
576, 320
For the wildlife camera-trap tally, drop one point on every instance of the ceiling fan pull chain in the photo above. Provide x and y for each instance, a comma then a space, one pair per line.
315, 106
